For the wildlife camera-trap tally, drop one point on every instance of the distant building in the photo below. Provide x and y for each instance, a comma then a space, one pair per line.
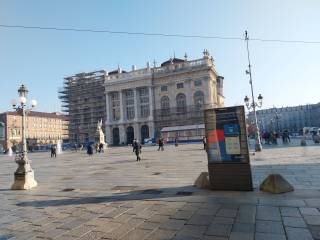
291, 118
141, 102
41, 128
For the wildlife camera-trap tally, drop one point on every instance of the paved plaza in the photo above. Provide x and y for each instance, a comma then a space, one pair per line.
111, 196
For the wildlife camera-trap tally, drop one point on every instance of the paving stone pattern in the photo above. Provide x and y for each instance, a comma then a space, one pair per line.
114, 197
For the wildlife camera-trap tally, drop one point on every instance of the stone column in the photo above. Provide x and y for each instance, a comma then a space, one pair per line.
189, 92
151, 102
122, 115
172, 95
151, 129
122, 133
108, 135
108, 116
137, 131
136, 101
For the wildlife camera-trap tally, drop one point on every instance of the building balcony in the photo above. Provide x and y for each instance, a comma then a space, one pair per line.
176, 114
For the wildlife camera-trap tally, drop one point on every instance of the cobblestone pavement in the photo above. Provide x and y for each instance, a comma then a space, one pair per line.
111, 196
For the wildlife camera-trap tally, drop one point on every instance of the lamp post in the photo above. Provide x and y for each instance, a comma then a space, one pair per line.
276, 118
253, 104
24, 175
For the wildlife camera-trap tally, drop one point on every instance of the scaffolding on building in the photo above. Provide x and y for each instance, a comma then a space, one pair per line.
84, 102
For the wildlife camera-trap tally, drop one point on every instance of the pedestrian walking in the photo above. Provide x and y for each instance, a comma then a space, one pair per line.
204, 141
176, 141
96, 146
137, 149
89, 150
101, 148
161, 143
53, 151
274, 138
134, 141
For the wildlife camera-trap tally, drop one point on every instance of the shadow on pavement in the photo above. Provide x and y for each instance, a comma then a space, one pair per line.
145, 194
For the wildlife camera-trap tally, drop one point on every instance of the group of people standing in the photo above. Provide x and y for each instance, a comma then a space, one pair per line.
272, 137
98, 147
136, 147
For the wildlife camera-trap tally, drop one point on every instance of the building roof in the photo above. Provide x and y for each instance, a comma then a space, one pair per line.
172, 60
115, 72
40, 114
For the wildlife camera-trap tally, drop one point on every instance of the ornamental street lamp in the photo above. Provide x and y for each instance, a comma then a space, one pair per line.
24, 175
253, 104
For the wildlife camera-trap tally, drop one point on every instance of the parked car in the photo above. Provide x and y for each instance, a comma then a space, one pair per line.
149, 141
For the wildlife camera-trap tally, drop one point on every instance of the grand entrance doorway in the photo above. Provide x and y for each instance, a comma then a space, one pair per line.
144, 132
130, 135
116, 136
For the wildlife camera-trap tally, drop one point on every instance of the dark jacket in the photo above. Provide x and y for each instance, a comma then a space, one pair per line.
90, 150
137, 147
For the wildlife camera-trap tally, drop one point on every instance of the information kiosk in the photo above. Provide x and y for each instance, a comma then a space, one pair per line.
227, 149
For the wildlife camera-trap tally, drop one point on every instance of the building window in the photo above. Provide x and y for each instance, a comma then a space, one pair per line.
198, 99
165, 105
115, 106
197, 83
181, 102
145, 112
144, 102
179, 85
129, 101
164, 88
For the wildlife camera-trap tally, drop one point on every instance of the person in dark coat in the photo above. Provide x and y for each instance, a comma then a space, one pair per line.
133, 144
53, 151
101, 148
137, 149
89, 150
161, 144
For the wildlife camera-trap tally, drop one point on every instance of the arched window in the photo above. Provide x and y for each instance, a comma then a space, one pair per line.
181, 102
144, 133
198, 99
165, 105
115, 136
130, 134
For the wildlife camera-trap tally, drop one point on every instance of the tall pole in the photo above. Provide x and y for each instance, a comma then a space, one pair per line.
258, 146
24, 141
24, 175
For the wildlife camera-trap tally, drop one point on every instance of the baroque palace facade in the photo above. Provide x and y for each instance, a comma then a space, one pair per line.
137, 104
141, 102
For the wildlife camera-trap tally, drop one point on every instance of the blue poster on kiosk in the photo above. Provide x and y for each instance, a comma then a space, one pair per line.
226, 135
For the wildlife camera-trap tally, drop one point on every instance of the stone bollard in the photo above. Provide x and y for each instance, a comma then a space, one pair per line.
203, 181
275, 183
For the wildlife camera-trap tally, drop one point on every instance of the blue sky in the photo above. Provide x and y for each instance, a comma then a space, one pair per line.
285, 74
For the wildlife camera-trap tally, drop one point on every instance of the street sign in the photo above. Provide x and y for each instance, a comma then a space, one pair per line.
227, 148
